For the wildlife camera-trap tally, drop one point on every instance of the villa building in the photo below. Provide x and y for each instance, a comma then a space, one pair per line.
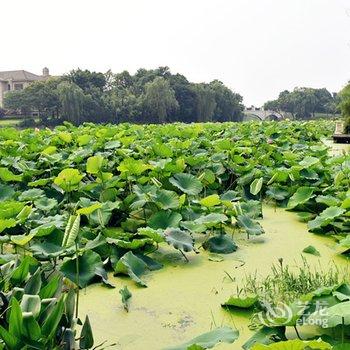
18, 80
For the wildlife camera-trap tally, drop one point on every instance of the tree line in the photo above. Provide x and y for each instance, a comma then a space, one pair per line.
304, 103
148, 96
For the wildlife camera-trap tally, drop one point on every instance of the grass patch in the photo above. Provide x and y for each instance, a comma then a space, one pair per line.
286, 284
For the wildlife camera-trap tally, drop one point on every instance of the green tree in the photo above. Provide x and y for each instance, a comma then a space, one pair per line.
17, 102
304, 102
125, 105
345, 106
205, 102
86, 80
40, 96
72, 99
159, 99
229, 105
186, 98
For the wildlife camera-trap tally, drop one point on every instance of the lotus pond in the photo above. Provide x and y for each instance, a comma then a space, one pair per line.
172, 231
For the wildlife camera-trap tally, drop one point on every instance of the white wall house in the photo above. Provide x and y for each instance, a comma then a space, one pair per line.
18, 80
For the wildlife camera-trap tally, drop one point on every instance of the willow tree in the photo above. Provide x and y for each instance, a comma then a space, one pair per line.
345, 107
72, 98
205, 102
160, 98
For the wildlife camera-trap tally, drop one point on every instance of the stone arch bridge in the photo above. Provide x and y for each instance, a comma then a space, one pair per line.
253, 114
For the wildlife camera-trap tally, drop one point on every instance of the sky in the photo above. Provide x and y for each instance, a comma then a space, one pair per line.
256, 47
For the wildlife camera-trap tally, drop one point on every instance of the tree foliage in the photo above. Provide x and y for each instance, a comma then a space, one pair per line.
345, 106
154, 95
71, 97
303, 103
159, 98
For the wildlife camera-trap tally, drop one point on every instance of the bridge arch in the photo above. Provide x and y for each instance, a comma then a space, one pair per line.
262, 115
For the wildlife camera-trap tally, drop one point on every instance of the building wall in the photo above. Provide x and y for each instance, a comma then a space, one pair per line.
4, 88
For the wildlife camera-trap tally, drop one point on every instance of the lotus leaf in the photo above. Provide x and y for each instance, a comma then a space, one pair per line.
131, 265
187, 183
209, 340
179, 239
301, 196
222, 244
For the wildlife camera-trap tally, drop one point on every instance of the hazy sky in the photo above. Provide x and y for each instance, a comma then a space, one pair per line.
256, 47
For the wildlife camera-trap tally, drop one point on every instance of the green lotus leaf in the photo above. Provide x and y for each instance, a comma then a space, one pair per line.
156, 235
65, 136
84, 139
311, 250
68, 179
211, 201
43, 230
252, 208
31, 195
230, 196
346, 203
164, 219
179, 239
343, 243
193, 226
330, 201
309, 161
245, 302
131, 166
39, 182
89, 263
295, 344
332, 316
166, 199
10, 209
131, 265
6, 192
7, 223
101, 216
222, 244
49, 150
45, 204
112, 144
134, 244
21, 240
211, 219
45, 250
94, 164
209, 340
277, 193
325, 218
90, 209
251, 226
8, 176
187, 183
265, 335
162, 150
305, 216
301, 196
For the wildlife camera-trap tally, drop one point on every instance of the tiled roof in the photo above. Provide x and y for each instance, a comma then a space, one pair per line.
19, 75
